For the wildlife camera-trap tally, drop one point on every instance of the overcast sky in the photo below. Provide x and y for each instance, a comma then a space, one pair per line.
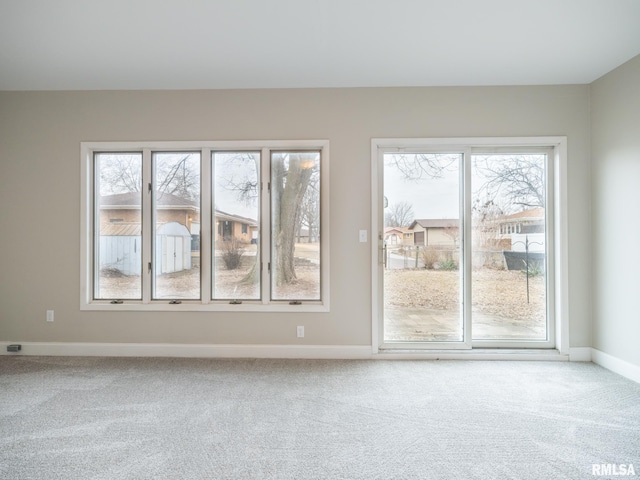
433, 198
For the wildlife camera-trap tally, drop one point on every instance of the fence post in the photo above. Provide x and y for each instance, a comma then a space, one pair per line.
417, 250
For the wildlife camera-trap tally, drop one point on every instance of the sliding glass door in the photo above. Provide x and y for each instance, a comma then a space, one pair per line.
421, 247
465, 247
509, 245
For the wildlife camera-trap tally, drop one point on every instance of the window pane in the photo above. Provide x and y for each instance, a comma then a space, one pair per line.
509, 247
176, 224
236, 213
422, 248
118, 240
295, 227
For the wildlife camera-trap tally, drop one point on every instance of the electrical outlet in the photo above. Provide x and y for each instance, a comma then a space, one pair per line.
49, 315
300, 331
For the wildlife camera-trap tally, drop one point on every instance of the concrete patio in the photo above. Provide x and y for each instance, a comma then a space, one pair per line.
425, 325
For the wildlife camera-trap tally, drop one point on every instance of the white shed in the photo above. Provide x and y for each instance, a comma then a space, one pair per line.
120, 248
173, 248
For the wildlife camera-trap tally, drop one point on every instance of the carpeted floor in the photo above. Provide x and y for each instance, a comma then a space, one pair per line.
141, 418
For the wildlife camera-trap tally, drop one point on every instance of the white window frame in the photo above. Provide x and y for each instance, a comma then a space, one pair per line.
87, 302
557, 293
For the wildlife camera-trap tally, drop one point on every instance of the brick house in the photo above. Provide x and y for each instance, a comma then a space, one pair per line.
177, 232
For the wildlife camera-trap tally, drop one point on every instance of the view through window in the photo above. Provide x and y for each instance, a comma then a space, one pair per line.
152, 243
428, 200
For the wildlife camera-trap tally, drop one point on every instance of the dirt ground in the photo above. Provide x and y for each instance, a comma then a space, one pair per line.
494, 292
230, 284
499, 293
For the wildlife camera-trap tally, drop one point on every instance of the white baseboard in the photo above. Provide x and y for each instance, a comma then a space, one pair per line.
187, 350
580, 354
337, 352
615, 364
475, 354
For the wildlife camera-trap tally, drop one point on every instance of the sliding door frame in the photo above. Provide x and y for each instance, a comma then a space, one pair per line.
557, 286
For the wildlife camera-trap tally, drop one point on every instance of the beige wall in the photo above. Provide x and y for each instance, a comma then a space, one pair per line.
40, 135
615, 100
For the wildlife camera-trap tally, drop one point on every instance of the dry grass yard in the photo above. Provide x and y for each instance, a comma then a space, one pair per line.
495, 292
230, 284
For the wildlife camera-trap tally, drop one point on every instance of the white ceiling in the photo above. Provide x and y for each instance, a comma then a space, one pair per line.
193, 44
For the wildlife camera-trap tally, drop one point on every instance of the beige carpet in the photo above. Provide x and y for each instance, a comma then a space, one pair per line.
115, 418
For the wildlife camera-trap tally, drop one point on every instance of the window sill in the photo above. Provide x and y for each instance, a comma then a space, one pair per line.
187, 306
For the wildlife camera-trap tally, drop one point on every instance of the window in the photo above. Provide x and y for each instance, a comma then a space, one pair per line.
175, 203
486, 268
117, 259
295, 225
207, 226
236, 260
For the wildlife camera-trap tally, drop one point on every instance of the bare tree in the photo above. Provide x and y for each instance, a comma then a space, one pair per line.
291, 173
243, 181
240, 173
399, 215
178, 176
485, 223
120, 173
310, 209
514, 179
453, 233
415, 166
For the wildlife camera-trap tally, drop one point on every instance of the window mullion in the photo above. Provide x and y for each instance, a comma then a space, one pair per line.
551, 246
206, 231
265, 223
147, 222
466, 252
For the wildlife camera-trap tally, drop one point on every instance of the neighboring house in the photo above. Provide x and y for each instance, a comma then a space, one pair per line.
234, 226
398, 236
436, 232
125, 208
527, 221
519, 228
177, 232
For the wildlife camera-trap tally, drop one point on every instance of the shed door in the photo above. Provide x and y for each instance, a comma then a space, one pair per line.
418, 238
177, 254
171, 254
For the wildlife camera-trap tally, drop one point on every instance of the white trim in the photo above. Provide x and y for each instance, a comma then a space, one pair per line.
334, 352
189, 350
561, 246
202, 306
265, 225
476, 354
616, 365
560, 336
206, 222
205, 303
329, 352
465, 248
86, 234
377, 238
580, 354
